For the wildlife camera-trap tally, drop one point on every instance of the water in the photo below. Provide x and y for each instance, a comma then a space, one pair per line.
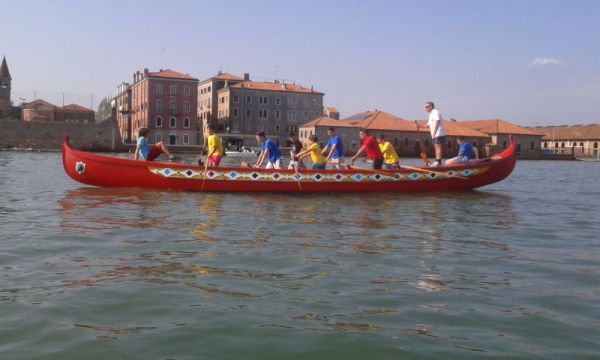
508, 271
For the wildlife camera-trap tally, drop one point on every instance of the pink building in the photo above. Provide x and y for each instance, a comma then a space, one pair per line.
165, 102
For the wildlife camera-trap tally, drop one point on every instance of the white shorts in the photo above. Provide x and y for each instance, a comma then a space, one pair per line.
337, 162
276, 165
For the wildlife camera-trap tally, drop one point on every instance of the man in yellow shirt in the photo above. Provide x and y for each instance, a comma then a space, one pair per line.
314, 150
215, 148
390, 158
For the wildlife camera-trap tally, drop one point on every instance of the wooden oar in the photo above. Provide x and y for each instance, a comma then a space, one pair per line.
205, 173
296, 166
376, 171
433, 172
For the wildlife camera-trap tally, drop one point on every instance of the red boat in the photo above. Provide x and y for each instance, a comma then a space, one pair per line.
106, 171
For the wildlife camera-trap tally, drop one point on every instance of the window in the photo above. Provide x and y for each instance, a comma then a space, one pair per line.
532, 147
186, 91
263, 113
396, 142
173, 122
504, 145
186, 139
562, 145
186, 107
209, 88
157, 137
545, 145
277, 128
173, 90
595, 145
426, 143
277, 101
172, 106
262, 100
186, 123
518, 148
248, 99
236, 99
277, 114
235, 112
405, 142
248, 113
158, 121
159, 106
449, 145
581, 144
159, 89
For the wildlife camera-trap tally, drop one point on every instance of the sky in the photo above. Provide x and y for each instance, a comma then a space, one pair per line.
528, 62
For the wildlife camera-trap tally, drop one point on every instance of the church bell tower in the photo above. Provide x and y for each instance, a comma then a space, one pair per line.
5, 80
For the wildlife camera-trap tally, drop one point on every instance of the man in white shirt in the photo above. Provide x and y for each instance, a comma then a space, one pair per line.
436, 128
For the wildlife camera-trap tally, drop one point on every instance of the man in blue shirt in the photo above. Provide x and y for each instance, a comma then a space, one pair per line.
466, 152
270, 150
335, 147
146, 152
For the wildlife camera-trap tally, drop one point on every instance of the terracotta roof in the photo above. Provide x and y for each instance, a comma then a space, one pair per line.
37, 104
497, 126
171, 74
75, 107
568, 132
327, 121
272, 86
226, 76
380, 120
4, 69
456, 129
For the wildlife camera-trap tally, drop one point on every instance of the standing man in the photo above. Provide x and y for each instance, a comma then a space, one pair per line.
371, 147
296, 145
436, 128
215, 148
390, 157
270, 151
335, 148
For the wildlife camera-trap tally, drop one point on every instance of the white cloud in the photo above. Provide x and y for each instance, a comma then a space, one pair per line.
543, 61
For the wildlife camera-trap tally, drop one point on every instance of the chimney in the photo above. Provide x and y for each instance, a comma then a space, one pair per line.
246, 77
145, 72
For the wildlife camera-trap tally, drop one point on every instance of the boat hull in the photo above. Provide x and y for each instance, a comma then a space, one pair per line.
105, 171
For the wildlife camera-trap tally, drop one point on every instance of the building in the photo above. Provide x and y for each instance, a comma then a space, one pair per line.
5, 83
74, 114
165, 102
528, 141
331, 112
581, 141
40, 111
401, 133
207, 98
123, 110
274, 108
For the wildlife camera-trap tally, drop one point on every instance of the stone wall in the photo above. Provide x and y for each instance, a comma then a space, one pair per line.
49, 136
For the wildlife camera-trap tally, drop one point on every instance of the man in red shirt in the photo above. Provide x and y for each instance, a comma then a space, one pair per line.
372, 147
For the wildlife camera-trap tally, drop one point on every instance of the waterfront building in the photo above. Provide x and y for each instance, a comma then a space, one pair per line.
581, 141
165, 102
207, 98
5, 83
400, 132
41, 111
331, 112
274, 108
528, 141
123, 107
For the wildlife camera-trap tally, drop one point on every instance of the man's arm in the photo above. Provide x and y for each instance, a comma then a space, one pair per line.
360, 151
137, 152
261, 158
333, 147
